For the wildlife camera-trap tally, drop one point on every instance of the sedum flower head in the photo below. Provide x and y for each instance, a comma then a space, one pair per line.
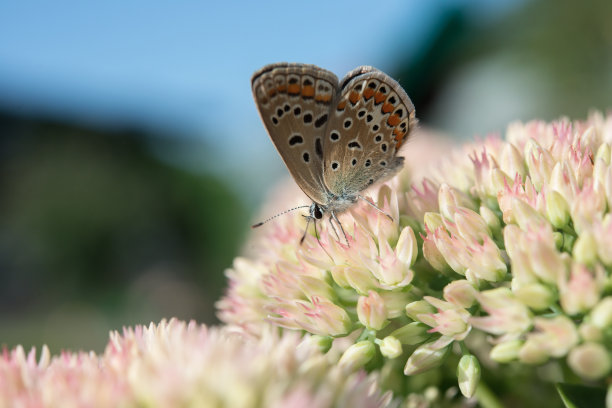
509, 237
175, 364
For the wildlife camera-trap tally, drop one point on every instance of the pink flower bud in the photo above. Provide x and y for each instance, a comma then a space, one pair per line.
425, 357
525, 215
390, 347
587, 208
603, 236
540, 163
450, 320
506, 351
491, 219
589, 332
460, 293
580, 292
357, 355
562, 180
406, 249
535, 295
554, 336
411, 334
601, 315
603, 153
433, 255
371, 311
414, 309
507, 315
590, 361
512, 162
471, 226
557, 210
468, 375
585, 249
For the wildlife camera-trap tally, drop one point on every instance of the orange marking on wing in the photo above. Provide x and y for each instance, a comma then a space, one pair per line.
393, 120
387, 107
353, 97
368, 93
324, 98
342, 105
399, 135
379, 97
308, 91
271, 92
293, 89
282, 88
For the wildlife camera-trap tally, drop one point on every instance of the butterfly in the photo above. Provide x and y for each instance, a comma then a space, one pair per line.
336, 138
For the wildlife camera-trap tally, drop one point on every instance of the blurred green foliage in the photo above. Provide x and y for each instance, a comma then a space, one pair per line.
90, 219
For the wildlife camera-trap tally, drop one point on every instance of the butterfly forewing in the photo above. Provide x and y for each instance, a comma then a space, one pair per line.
295, 101
371, 118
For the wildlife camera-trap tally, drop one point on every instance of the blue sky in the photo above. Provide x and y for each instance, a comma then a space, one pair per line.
186, 67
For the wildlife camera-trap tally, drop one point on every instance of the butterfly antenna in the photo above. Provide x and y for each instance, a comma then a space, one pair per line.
375, 206
259, 224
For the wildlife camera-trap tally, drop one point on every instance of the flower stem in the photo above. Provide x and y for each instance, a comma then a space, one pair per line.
486, 398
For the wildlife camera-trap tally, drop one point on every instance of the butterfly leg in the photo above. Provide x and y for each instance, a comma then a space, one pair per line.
306, 229
331, 222
333, 214
375, 206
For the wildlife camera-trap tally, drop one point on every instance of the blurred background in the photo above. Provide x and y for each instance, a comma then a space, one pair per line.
132, 158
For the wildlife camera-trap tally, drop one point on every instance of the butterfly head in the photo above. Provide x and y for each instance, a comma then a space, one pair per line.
316, 211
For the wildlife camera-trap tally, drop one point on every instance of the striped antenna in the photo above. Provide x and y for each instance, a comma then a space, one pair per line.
259, 224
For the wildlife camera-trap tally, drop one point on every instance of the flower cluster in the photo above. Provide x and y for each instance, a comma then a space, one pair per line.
511, 238
176, 364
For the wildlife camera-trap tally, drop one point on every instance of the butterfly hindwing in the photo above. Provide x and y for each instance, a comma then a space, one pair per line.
294, 101
371, 118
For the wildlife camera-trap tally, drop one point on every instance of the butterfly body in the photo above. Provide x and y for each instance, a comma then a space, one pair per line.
336, 138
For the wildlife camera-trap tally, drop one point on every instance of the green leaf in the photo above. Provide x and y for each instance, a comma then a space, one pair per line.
580, 396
